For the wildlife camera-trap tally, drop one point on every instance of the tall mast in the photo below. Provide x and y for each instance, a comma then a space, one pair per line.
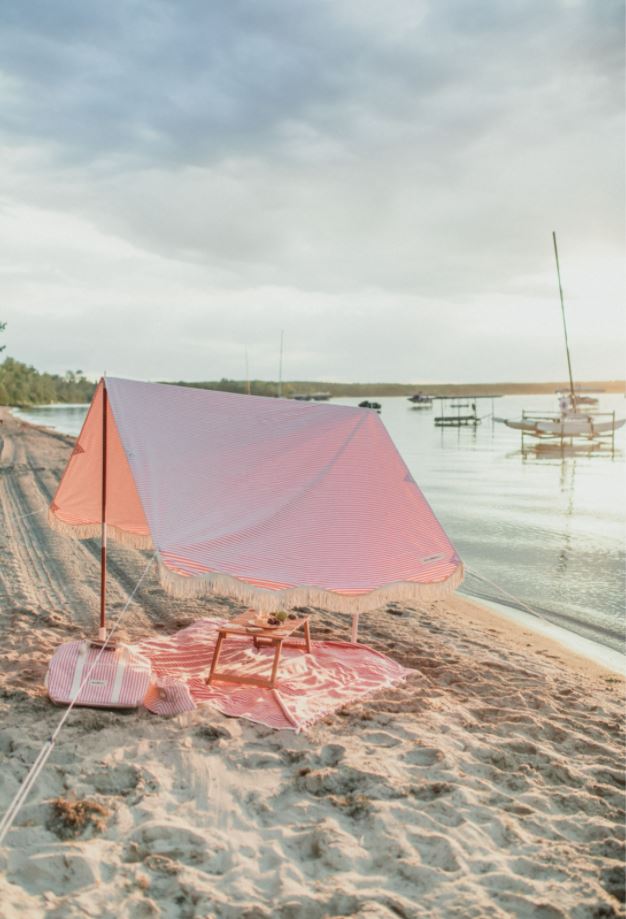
280, 365
569, 360
102, 633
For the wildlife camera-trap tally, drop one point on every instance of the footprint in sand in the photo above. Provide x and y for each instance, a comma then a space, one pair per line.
424, 756
332, 754
430, 791
380, 739
328, 844
61, 873
178, 844
117, 780
435, 851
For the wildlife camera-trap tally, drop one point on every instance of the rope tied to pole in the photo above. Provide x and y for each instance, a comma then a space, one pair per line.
44, 754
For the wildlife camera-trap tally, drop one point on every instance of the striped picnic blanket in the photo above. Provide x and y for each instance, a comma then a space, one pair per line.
309, 686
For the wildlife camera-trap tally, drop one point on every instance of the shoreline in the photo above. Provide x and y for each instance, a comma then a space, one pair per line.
593, 651
338, 389
579, 653
490, 783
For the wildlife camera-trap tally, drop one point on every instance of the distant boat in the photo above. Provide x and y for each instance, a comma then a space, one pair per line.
421, 400
573, 425
586, 400
580, 398
376, 406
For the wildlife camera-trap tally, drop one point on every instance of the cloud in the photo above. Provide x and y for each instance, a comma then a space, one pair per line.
366, 176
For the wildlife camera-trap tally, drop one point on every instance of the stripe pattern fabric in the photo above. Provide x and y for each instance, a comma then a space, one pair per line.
309, 687
169, 696
274, 502
119, 679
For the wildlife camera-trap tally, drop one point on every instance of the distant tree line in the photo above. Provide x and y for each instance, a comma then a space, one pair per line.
254, 387
23, 385
302, 387
308, 387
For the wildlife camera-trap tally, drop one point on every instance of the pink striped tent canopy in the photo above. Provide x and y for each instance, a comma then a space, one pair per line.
271, 501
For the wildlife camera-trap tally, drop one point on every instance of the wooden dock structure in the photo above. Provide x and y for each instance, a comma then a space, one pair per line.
462, 410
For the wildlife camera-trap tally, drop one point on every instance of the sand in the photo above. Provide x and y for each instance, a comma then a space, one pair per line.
491, 784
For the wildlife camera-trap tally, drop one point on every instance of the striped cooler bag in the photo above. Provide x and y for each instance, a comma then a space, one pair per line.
120, 678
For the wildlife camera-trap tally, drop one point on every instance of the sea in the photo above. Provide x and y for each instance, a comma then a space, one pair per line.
539, 532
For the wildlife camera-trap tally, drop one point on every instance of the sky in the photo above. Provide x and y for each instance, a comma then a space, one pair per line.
182, 180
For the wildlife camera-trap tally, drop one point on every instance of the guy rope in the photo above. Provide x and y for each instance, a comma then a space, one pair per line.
44, 754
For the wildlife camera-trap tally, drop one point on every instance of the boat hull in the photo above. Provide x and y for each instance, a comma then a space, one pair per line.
572, 427
584, 426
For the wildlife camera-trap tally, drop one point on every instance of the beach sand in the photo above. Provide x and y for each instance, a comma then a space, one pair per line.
491, 784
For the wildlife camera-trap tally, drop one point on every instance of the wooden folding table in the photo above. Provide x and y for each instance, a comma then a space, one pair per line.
279, 637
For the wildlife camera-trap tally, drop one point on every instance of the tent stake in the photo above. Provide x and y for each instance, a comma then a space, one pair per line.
102, 631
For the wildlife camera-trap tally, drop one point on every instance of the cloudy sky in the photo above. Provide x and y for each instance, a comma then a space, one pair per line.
183, 179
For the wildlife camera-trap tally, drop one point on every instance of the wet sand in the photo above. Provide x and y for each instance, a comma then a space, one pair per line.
490, 784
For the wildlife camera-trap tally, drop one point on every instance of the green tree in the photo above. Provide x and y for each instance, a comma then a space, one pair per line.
24, 385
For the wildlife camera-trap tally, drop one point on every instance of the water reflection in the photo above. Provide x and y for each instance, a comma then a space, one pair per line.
67, 418
567, 480
562, 451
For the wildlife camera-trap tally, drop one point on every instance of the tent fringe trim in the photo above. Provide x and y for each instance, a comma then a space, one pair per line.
94, 531
268, 601
262, 599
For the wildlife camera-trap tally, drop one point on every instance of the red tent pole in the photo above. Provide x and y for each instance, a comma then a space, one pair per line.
102, 633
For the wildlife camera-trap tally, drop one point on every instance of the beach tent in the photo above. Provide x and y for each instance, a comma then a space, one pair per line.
273, 502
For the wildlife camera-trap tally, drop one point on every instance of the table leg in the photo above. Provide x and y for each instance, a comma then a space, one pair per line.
216, 654
278, 648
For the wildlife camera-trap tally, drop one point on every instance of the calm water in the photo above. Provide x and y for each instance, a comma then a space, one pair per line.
66, 418
548, 530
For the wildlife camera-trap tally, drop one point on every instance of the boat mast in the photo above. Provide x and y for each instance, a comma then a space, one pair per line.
569, 360
102, 633
280, 365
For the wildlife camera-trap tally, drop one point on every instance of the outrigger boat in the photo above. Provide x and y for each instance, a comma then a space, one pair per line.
569, 421
568, 425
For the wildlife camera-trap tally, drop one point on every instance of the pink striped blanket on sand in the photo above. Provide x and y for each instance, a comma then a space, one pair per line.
309, 687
